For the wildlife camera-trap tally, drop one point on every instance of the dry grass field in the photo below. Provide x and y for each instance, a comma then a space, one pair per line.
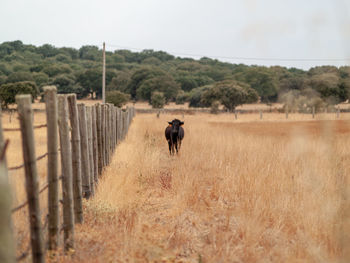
245, 190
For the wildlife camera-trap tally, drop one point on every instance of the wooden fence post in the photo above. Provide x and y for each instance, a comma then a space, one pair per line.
85, 168
94, 142
124, 124
52, 166
114, 123
107, 133
261, 114
313, 112
99, 138
76, 158
7, 244
90, 149
67, 171
118, 125
287, 111
103, 133
25, 113
110, 106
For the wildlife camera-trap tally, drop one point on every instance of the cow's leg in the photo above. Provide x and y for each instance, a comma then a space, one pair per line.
169, 143
176, 147
172, 149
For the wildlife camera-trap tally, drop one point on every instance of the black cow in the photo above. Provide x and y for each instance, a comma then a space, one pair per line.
174, 134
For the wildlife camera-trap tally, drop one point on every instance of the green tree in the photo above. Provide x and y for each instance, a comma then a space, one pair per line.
10, 90
262, 80
117, 98
90, 53
141, 75
164, 83
187, 82
157, 100
328, 85
47, 50
67, 84
56, 69
195, 96
230, 94
40, 79
181, 97
120, 81
19, 76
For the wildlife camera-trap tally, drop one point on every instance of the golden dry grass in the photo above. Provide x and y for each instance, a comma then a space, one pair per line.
233, 194
239, 191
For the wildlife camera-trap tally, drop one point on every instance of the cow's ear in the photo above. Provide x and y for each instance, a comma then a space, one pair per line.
181, 123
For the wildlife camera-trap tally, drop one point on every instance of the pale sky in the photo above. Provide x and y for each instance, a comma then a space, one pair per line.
223, 29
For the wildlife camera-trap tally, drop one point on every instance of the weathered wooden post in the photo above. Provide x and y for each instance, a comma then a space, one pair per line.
313, 112
76, 158
107, 134
67, 173
99, 138
25, 113
103, 133
85, 167
114, 127
90, 149
287, 111
118, 125
7, 245
235, 114
52, 166
94, 142
261, 114
124, 124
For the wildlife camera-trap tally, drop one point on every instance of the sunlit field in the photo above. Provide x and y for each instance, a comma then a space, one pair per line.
245, 190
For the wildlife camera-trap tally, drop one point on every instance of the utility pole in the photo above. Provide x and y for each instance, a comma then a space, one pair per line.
104, 74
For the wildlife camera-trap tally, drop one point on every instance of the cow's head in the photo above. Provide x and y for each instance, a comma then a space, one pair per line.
175, 124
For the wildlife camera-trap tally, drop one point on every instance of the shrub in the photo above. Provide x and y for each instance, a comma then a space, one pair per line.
117, 98
9, 91
181, 97
157, 100
214, 108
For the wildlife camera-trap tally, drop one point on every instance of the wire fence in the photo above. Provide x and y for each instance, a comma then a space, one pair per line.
87, 136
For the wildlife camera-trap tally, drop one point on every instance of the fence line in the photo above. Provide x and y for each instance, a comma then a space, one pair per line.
87, 137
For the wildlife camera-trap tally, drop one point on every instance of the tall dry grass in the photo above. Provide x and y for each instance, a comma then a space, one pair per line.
254, 191
17, 178
239, 191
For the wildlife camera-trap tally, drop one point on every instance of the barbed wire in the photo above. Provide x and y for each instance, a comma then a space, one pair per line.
18, 129
22, 165
46, 186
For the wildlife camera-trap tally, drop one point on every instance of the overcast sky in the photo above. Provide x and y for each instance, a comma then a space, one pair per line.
223, 29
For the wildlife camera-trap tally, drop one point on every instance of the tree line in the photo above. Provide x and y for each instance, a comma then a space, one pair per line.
159, 78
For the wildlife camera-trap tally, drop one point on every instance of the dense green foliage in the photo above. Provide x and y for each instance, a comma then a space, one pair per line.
140, 74
158, 100
117, 98
9, 91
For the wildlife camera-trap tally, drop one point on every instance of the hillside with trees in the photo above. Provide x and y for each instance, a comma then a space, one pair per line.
156, 76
